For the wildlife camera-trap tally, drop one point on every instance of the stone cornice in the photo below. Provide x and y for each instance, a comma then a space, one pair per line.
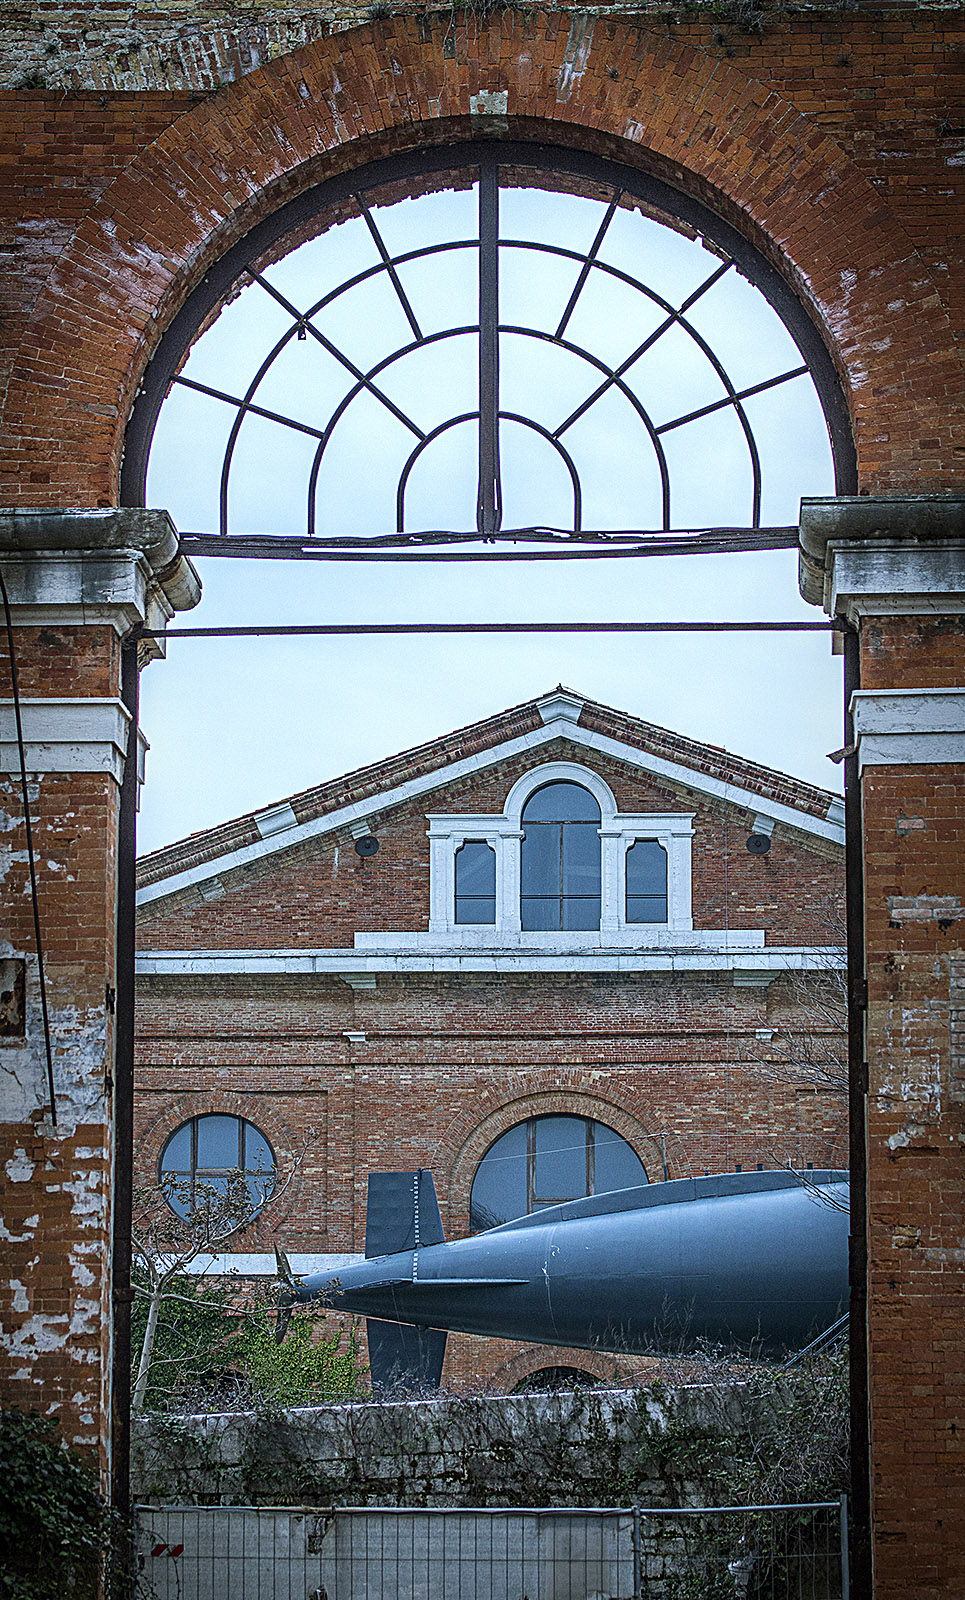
864, 556
118, 567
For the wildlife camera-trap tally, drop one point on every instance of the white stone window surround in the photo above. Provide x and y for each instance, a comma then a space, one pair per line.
503, 833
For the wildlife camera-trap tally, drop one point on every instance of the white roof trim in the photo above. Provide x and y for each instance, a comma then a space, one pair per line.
560, 727
247, 1265
349, 963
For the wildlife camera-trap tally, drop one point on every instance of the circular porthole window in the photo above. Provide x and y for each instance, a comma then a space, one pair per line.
217, 1161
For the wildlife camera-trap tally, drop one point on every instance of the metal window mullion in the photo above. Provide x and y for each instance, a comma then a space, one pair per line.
530, 1165
389, 265
585, 269
339, 356
734, 397
675, 318
488, 491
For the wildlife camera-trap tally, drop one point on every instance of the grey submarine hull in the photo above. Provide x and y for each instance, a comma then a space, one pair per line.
751, 1260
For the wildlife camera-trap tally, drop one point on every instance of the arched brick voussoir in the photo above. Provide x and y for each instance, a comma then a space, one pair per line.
678, 110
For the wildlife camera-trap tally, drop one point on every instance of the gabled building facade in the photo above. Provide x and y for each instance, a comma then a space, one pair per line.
556, 952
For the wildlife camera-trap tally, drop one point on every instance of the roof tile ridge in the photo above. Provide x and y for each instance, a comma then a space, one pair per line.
207, 844
708, 757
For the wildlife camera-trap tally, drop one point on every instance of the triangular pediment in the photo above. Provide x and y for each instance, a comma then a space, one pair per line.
584, 725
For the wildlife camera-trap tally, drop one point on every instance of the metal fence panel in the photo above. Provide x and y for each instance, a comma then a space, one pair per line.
743, 1553
366, 1553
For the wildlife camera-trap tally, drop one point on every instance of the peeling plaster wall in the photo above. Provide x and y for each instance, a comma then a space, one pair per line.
55, 1194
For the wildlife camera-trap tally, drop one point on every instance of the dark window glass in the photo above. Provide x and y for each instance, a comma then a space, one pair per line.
205, 1157
560, 859
646, 882
545, 1161
177, 1151
558, 1169
499, 1187
616, 1164
562, 802
475, 882
218, 1141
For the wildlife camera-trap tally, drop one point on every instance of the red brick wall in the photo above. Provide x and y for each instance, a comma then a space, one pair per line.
916, 1134
449, 1063
831, 167
56, 1211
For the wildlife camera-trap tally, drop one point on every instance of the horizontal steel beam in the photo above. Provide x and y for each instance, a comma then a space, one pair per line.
299, 629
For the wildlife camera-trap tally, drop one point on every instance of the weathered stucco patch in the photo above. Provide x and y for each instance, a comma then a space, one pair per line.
20, 1168
79, 1047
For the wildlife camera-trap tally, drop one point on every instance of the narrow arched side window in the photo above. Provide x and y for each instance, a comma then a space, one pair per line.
646, 881
475, 882
560, 861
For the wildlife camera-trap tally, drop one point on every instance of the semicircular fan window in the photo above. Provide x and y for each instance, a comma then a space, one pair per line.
515, 346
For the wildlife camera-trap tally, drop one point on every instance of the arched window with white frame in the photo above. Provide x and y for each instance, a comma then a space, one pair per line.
559, 857
561, 864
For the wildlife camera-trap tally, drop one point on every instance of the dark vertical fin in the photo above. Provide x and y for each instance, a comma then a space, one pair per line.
402, 1213
404, 1358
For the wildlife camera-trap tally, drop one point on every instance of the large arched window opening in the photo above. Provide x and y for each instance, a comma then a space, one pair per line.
546, 1161
484, 338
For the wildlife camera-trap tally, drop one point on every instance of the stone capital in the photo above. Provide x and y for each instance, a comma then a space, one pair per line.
120, 567
905, 555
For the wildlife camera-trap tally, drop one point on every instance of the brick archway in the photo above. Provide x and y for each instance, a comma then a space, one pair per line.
681, 112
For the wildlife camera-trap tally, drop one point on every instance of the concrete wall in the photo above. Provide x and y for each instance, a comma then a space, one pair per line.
576, 1447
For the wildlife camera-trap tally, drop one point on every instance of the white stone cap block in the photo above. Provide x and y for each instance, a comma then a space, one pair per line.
275, 819
560, 707
69, 735
909, 727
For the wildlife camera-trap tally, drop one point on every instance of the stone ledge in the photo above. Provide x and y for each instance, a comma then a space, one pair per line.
118, 567
896, 521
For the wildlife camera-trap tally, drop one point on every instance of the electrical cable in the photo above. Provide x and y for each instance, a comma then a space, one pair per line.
15, 685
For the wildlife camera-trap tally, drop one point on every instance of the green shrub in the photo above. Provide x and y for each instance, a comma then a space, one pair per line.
196, 1341
305, 1370
211, 1353
55, 1530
